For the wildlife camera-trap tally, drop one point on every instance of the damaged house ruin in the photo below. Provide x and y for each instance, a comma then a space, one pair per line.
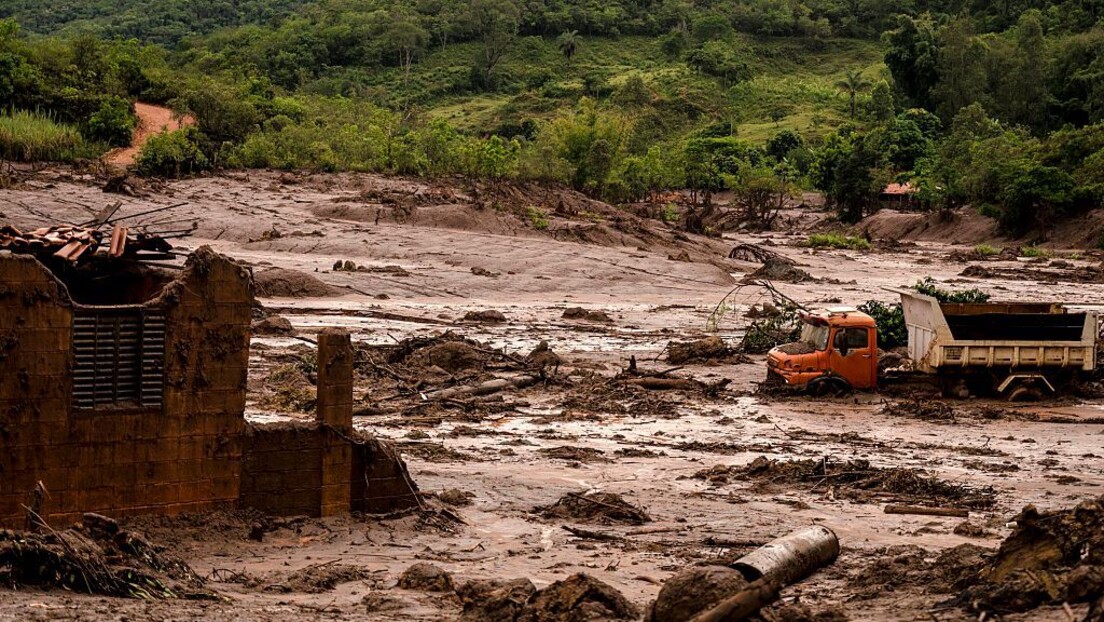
123, 392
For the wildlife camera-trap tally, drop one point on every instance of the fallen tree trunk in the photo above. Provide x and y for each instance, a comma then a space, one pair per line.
922, 511
486, 388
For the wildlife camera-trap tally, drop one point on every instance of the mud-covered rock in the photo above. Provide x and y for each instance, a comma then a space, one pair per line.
596, 507
273, 326
451, 356
490, 316
578, 598
709, 349
426, 578
455, 497
284, 283
692, 591
586, 315
494, 600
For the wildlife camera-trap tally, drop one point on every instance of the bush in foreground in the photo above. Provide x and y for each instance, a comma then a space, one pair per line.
35, 137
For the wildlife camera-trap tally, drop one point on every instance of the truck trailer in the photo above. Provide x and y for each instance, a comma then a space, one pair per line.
1014, 350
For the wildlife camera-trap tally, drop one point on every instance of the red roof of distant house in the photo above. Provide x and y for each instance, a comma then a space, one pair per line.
905, 188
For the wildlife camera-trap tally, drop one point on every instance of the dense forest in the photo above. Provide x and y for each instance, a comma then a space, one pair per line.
996, 105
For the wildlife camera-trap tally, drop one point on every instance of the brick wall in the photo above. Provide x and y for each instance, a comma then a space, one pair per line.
184, 455
282, 469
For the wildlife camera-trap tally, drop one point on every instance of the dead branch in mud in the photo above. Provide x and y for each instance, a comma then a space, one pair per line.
587, 534
486, 388
922, 511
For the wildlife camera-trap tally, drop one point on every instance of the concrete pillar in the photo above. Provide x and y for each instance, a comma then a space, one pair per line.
334, 411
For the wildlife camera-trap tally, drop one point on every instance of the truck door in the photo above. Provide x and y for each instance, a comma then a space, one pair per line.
852, 356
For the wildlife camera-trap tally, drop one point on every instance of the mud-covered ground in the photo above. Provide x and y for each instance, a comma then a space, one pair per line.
712, 467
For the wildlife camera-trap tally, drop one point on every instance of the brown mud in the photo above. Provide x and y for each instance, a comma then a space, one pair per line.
520, 414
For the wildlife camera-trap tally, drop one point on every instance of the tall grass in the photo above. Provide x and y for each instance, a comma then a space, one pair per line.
35, 137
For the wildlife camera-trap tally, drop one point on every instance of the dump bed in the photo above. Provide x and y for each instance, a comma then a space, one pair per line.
1017, 336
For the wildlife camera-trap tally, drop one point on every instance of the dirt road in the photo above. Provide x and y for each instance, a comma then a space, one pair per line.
431, 253
152, 120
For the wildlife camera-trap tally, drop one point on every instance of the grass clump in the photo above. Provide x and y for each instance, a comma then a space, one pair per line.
837, 240
1034, 251
35, 137
985, 250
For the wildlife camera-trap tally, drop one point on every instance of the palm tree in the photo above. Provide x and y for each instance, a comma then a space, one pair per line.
569, 43
853, 83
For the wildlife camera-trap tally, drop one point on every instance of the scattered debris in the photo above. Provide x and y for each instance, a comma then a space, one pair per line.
482, 272
859, 481
489, 316
1050, 558
456, 497
587, 315
596, 507
318, 578
426, 578
575, 454
577, 598
754, 253
708, 349
95, 557
781, 270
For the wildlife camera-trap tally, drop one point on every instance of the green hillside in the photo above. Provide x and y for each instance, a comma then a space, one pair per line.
998, 106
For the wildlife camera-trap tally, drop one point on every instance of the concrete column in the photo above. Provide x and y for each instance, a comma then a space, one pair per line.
334, 411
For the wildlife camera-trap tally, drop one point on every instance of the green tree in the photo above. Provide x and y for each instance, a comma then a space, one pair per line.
852, 84
568, 42
495, 24
912, 56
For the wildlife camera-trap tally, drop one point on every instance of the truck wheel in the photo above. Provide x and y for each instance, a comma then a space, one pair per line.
1024, 393
826, 386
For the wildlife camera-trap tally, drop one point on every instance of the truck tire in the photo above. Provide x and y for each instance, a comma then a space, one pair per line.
829, 386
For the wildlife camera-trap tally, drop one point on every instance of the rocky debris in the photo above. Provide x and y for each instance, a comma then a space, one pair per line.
781, 270
374, 602
95, 557
426, 578
451, 356
495, 600
288, 389
586, 315
456, 497
693, 591
543, 358
575, 454
489, 316
397, 271
798, 612
483, 272
344, 266
969, 529
318, 578
1050, 558
284, 283
857, 480
578, 598
595, 507
682, 256
709, 349
944, 412
753, 253
909, 566
274, 326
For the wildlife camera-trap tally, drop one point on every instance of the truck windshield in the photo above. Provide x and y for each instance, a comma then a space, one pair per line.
816, 335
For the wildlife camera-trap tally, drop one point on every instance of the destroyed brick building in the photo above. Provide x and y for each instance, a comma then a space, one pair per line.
123, 391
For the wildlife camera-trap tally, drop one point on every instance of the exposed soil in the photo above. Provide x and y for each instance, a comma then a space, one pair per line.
152, 120
540, 410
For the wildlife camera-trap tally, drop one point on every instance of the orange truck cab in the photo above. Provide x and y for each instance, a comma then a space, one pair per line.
837, 352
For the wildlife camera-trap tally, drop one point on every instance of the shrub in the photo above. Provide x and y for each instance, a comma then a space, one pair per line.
984, 250
1034, 251
836, 240
929, 287
670, 213
173, 154
890, 319
35, 137
989, 211
113, 123
538, 218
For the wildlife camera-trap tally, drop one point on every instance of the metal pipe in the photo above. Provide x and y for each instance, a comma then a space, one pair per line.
791, 558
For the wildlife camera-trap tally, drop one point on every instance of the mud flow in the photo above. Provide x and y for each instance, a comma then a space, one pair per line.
582, 408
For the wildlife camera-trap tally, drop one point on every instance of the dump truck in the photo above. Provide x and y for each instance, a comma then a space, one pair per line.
1015, 350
